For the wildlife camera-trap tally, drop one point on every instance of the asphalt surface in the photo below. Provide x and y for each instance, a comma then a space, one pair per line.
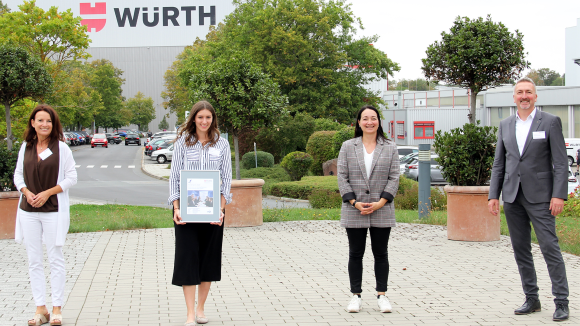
114, 175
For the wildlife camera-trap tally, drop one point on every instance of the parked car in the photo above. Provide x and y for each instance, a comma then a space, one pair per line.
572, 181
157, 135
132, 138
71, 139
164, 144
113, 139
84, 134
412, 170
82, 140
405, 150
122, 133
152, 146
99, 140
406, 159
163, 155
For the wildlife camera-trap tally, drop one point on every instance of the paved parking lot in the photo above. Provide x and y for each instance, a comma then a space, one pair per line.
291, 273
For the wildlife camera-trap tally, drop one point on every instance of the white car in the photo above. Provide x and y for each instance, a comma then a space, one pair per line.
163, 155
406, 159
572, 181
405, 150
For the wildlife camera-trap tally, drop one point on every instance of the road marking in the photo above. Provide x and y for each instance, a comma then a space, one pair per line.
104, 166
117, 166
90, 166
77, 166
131, 166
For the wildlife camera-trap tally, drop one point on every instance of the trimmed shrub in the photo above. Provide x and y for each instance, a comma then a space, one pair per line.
323, 124
340, 137
296, 164
324, 198
303, 188
265, 160
320, 147
270, 176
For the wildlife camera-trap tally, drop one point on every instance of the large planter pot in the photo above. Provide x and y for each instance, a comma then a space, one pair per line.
246, 206
8, 209
468, 218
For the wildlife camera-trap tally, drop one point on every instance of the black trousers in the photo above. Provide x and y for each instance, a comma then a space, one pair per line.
519, 214
198, 253
356, 250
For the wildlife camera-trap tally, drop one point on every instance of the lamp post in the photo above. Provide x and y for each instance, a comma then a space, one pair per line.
424, 180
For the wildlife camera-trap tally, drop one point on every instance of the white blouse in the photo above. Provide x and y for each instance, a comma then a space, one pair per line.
196, 157
67, 177
368, 161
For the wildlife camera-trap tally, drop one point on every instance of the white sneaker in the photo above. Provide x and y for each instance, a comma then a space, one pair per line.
384, 304
354, 304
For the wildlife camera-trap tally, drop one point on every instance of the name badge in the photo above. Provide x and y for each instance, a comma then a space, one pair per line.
46, 153
539, 135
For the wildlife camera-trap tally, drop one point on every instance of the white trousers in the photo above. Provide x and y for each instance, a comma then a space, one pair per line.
35, 226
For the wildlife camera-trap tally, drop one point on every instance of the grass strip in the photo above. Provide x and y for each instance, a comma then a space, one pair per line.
95, 218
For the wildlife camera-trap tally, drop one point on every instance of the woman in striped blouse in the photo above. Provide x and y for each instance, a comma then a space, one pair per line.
198, 246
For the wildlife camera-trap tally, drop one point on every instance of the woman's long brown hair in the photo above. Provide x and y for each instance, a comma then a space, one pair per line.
55, 133
189, 130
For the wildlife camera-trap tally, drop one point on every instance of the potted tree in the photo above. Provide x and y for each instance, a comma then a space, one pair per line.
245, 98
466, 157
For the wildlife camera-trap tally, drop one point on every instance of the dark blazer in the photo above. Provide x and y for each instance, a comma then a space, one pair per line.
542, 168
354, 183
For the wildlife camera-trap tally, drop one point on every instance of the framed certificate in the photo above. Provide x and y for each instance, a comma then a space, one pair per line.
200, 196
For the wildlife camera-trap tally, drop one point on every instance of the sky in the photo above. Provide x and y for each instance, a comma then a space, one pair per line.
407, 28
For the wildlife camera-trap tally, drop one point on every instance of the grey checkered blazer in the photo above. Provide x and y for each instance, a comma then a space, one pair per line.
354, 183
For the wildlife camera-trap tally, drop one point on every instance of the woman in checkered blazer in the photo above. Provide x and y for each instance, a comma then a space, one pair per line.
368, 179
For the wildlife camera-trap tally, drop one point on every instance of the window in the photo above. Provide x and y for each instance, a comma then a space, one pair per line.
424, 129
401, 129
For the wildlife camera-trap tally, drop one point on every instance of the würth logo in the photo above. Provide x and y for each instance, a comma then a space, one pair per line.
100, 8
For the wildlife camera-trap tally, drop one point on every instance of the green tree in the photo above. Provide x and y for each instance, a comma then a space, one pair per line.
412, 84
163, 125
3, 8
309, 48
544, 77
476, 54
142, 110
287, 135
243, 96
107, 81
558, 82
21, 76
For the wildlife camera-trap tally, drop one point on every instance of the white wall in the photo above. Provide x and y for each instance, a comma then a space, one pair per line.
572, 53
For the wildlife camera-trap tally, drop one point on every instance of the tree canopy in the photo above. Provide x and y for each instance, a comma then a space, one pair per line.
476, 54
107, 81
545, 77
21, 76
142, 110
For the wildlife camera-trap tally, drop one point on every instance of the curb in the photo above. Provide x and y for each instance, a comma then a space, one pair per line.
285, 199
147, 172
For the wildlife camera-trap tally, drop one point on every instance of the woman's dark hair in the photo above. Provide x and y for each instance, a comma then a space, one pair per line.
56, 132
357, 129
189, 130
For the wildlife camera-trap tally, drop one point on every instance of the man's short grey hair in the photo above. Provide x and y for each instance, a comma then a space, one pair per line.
525, 80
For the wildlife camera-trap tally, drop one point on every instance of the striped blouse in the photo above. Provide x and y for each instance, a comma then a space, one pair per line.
196, 157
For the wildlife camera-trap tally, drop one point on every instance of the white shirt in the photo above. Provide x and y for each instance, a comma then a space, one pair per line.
368, 161
523, 129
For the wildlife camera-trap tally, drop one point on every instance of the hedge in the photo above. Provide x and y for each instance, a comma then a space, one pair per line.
265, 160
303, 188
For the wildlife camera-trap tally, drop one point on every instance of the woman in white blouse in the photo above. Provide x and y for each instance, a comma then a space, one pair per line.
198, 246
45, 170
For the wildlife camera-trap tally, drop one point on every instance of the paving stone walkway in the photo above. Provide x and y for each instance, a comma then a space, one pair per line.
291, 273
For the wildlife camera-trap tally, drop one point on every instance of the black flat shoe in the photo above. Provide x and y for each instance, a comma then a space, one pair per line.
531, 305
562, 312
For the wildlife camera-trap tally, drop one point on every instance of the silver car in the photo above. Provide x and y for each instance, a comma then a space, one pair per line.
163, 155
412, 170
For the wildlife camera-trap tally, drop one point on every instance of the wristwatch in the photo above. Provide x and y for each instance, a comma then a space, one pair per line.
354, 203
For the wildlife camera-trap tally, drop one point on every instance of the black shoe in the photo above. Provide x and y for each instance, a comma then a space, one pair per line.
531, 305
562, 312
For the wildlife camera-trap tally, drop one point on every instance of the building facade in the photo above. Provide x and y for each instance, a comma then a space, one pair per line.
572, 64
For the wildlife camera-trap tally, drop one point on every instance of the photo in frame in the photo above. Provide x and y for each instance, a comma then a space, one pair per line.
200, 196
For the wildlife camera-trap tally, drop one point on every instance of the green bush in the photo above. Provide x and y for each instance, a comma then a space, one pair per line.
269, 175
7, 166
323, 124
320, 147
303, 188
290, 134
466, 154
340, 137
409, 198
324, 198
265, 160
296, 164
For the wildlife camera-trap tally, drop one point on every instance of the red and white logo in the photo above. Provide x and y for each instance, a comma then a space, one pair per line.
100, 8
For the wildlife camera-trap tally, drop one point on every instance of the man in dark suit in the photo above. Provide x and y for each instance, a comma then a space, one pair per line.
530, 170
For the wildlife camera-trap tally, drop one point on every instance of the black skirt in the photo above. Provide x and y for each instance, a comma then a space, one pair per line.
198, 253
